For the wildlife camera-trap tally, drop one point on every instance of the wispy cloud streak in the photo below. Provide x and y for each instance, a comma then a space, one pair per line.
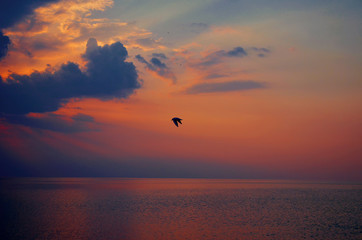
224, 87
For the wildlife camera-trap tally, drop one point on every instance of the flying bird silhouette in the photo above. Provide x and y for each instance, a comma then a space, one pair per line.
176, 120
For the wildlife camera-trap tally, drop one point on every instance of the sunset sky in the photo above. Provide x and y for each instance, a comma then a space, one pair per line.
266, 89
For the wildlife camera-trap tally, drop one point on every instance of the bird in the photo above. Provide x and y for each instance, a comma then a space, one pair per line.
176, 120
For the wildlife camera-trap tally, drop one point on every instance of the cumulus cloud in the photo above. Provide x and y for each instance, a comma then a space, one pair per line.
157, 66
224, 87
60, 29
106, 76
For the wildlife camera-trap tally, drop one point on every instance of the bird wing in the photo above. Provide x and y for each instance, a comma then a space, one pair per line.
175, 122
179, 120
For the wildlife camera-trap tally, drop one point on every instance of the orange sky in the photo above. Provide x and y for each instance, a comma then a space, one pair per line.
304, 122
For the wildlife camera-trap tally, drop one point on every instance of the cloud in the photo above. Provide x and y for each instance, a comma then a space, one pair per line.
218, 56
157, 62
59, 30
147, 42
212, 59
157, 66
45, 44
54, 122
261, 52
83, 117
143, 60
159, 55
238, 52
106, 76
4, 43
215, 75
224, 87
12, 12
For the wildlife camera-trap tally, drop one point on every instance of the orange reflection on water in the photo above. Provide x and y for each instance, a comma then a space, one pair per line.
71, 208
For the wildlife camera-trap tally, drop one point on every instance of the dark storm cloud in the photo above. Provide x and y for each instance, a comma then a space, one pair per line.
54, 122
4, 45
223, 87
12, 12
106, 76
157, 66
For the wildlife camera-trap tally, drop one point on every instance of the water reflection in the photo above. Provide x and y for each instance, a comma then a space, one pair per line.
178, 209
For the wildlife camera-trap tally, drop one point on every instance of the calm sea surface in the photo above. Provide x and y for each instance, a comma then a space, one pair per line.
137, 209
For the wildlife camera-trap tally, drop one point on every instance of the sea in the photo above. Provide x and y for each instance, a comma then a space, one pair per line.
156, 209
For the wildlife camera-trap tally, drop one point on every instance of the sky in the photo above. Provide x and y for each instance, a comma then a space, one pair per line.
266, 89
